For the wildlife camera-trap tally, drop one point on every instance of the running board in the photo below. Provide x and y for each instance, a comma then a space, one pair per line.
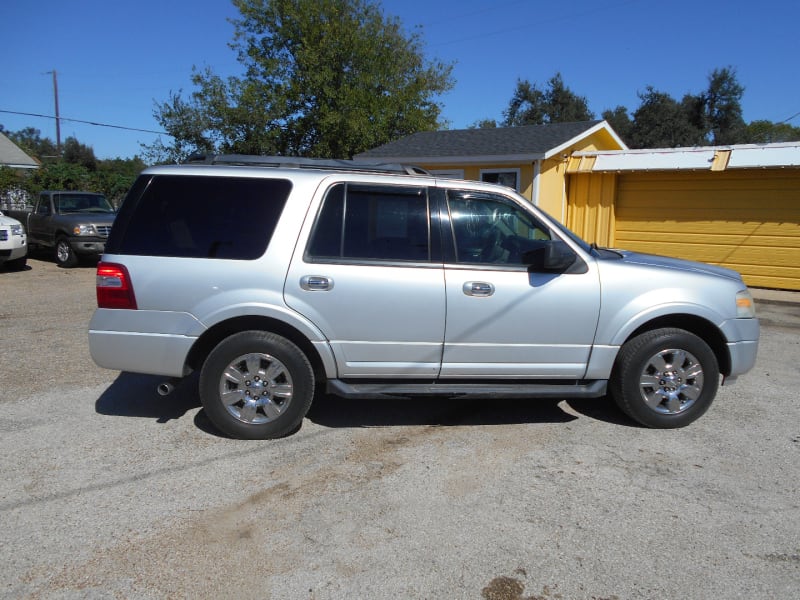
586, 389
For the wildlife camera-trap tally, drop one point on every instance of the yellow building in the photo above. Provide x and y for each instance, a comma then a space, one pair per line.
531, 159
735, 206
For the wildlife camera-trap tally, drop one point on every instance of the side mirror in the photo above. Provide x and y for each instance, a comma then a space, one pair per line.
550, 256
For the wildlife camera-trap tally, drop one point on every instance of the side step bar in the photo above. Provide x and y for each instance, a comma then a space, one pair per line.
582, 389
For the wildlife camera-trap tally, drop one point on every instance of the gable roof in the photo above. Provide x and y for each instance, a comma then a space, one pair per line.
12, 156
500, 144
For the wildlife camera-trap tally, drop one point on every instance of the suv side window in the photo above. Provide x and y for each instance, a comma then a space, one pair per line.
385, 223
199, 217
489, 229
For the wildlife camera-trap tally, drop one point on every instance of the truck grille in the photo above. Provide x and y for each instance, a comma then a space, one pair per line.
102, 230
3, 235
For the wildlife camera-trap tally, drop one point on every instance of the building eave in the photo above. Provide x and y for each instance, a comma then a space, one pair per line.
700, 158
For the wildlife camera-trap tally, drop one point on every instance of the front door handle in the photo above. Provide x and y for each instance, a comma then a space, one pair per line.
478, 288
316, 283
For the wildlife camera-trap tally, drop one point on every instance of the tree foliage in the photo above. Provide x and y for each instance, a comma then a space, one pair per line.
322, 78
662, 122
556, 103
75, 169
767, 132
711, 117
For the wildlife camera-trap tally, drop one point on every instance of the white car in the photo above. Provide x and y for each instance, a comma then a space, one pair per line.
13, 243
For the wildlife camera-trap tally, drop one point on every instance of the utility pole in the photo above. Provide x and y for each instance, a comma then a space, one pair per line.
58, 116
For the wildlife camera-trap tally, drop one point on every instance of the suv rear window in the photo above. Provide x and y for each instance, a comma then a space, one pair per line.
199, 217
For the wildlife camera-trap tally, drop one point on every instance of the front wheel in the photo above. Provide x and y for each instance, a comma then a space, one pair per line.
665, 378
256, 385
65, 255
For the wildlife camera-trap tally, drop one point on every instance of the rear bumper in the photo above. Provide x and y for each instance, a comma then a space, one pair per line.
143, 341
153, 354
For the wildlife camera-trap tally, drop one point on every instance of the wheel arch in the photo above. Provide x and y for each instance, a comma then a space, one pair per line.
702, 328
214, 335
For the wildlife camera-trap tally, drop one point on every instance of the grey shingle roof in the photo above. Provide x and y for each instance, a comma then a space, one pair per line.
12, 156
501, 141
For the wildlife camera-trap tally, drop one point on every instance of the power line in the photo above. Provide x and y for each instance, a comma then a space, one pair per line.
789, 119
27, 114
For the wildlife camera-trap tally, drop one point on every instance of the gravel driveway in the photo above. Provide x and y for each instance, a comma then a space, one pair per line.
109, 490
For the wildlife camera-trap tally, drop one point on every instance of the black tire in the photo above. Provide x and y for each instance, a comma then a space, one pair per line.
665, 378
268, 381
65, 255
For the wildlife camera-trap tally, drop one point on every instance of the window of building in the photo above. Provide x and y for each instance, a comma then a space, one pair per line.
506, 177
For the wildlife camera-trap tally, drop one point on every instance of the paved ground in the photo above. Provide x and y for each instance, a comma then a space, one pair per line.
109, 490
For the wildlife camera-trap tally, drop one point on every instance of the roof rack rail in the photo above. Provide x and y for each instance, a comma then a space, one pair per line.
291, 162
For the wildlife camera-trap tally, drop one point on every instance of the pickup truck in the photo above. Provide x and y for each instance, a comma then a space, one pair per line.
13, 245
73, 224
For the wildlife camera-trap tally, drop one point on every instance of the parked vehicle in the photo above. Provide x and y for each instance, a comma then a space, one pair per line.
277, 277
72, 224
13, 244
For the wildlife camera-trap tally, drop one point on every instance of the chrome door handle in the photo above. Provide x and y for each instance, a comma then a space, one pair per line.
478, 288
316, 283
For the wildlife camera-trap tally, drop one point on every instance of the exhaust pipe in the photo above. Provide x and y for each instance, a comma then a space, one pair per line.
165, 388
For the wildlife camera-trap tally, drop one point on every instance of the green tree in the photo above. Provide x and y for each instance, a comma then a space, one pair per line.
555, 104
620, 121
767, 132
484, 124
662, 122
724, 107
322, 78
77, 169
79, 154
62, 176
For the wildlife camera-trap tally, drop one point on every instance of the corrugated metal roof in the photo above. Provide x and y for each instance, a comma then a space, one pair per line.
708, 158
12, 156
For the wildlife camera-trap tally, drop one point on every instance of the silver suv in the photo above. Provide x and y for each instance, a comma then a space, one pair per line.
277, 278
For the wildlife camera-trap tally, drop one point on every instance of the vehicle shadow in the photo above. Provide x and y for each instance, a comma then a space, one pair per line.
602, 409
135, 395
336, 412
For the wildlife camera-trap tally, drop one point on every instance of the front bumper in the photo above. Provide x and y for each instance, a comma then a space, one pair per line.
13, 248
742, 335
88, 245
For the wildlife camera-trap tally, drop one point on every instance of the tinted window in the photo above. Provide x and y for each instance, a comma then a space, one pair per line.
199, 217
372, 222
489, 229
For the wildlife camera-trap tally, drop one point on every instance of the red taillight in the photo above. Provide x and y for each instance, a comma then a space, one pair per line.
114, 289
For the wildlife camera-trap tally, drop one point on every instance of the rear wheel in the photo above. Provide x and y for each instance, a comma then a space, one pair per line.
665, 378
256, 385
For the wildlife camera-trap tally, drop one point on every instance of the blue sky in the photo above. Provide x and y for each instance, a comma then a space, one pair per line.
116, 59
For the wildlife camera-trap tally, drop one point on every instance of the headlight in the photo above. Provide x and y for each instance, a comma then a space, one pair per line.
17, 230
84, 230
745, 306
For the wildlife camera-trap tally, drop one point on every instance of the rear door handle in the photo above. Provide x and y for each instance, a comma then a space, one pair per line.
316, 283
478, 288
